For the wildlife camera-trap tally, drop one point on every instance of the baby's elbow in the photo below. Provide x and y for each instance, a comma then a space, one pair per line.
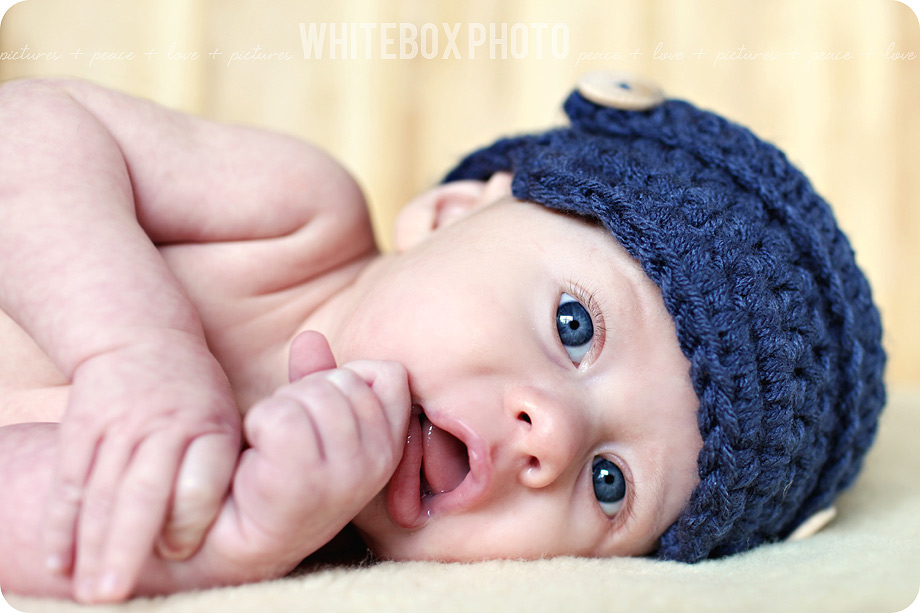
318, 185
44, 105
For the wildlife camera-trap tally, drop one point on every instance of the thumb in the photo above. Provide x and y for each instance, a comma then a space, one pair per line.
309, 353
201, 486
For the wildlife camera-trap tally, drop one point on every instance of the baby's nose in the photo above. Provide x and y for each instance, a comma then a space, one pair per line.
548, 434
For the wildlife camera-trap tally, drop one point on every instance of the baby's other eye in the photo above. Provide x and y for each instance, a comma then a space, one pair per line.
609, 485
575, 328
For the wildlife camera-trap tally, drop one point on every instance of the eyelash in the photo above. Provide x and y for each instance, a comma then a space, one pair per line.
586, 297
597, 319
626, 512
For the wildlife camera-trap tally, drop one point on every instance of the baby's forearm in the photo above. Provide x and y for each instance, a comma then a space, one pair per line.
77, 270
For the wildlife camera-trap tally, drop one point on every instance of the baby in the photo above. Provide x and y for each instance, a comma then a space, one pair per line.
641, 334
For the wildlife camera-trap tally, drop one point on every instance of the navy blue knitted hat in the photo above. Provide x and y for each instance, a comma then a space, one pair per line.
775, 318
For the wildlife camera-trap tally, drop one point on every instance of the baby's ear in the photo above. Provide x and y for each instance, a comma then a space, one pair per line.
444, 204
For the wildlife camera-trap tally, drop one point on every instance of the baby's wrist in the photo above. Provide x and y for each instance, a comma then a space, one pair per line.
136, 341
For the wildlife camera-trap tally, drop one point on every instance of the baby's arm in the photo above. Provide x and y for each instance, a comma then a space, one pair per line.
321, 448
79, 274
149, 404
92, 181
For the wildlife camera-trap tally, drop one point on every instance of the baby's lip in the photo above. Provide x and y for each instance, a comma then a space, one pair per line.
407, 506
403, 499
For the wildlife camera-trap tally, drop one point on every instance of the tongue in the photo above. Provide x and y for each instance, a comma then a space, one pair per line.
445, 460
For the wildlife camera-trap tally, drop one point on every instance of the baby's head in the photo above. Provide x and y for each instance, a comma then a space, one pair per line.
777, 358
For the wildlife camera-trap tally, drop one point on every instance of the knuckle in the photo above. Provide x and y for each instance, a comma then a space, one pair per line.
388, 461
256, 415
283, 410
289, 418
394, 387
300, 391
280, 422
343, 378
394, 369
260, 412
382, 370
79, 423
221, 415
122, 430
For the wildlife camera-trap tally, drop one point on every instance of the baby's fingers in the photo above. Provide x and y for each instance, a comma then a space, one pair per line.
59, 524
201, 485
389, 381
76, 451
134, 510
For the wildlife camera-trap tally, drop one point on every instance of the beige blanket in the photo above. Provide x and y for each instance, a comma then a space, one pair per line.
865, 560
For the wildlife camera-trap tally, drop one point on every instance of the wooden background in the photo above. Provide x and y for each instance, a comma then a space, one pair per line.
835, 83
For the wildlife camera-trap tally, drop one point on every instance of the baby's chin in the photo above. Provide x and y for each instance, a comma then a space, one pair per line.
388, 542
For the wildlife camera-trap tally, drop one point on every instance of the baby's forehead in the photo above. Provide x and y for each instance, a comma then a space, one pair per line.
512, 218
595, 237
590, 251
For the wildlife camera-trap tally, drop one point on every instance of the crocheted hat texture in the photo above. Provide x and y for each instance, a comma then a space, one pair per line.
775, 318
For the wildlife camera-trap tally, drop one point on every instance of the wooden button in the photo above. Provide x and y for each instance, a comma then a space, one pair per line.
813, 524
620, 90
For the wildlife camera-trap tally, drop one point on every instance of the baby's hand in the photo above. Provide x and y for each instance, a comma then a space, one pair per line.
151, 431
321, 449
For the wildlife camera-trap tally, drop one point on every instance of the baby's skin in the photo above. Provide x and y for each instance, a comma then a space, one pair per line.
294, 487
507, 383
193, 252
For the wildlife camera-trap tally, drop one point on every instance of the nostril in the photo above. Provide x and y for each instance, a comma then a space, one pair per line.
524, 417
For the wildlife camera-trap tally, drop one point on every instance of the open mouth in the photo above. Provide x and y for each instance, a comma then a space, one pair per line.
445, 460
444, 468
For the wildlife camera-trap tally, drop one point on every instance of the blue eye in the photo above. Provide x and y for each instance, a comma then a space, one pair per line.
575, 328
609, 485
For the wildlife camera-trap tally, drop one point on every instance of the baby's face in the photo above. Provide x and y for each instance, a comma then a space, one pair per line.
555, 414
